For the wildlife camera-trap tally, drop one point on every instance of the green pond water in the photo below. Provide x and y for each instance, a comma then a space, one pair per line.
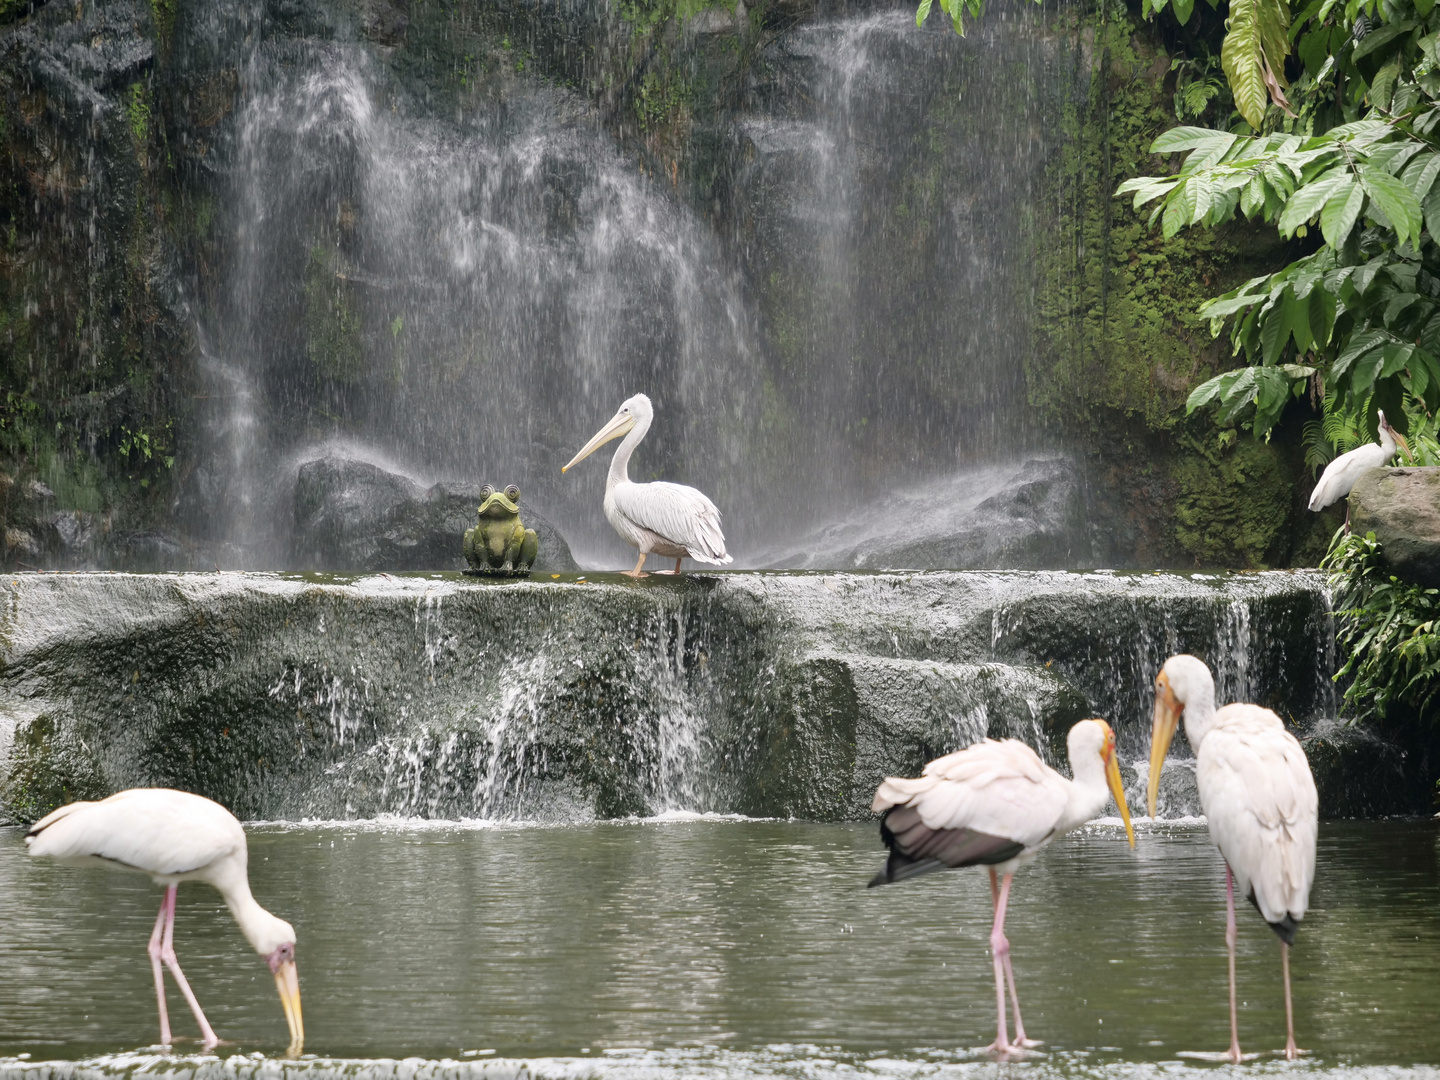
720, 948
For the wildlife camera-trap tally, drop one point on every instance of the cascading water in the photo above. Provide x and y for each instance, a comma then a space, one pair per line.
776, 695
466, 282
466, 297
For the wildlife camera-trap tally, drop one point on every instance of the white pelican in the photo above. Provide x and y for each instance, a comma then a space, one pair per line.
1259, 798
1340, 475
672, 520
996, 804
174, 836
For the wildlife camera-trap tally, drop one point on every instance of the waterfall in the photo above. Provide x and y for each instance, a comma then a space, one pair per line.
465, 283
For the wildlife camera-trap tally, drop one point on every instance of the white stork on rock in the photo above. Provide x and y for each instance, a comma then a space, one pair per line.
1340, 475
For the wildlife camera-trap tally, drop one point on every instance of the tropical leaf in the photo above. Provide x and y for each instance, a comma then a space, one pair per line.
1342, 209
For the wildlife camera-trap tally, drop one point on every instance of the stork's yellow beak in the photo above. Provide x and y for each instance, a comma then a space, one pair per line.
620, 424
1112, 778
1167, 719
1403, 445
287, 982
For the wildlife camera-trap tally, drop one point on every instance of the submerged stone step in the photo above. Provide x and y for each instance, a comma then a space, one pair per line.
569, 698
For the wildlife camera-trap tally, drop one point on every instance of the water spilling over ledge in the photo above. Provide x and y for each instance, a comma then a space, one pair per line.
767, 694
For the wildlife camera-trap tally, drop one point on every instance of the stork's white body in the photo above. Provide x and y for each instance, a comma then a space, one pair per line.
671, 520
996, 804
1259, 798
1340, 475
174, 836
1002, 790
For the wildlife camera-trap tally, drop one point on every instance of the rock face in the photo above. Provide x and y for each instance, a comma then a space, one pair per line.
1402, 508
1005, 517
435, 695
352, 516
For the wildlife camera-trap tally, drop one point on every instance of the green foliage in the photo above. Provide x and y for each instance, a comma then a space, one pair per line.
137, 109
1341, 429
956, 9
1199, 85
1338, 431
1390, 631
646, 15
163, 12
1361, 315
1116, 301
1253, 55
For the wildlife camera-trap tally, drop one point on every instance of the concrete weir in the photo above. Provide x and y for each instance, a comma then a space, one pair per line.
571, 698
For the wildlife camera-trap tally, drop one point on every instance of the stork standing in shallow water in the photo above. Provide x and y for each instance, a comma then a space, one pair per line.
1259, 798
672, 520
996, 804
174, 836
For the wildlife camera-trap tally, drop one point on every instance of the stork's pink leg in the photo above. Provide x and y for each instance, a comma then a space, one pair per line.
167, 954
1020, 1039
159, 971
1230, 945
999, 948
1291, 1053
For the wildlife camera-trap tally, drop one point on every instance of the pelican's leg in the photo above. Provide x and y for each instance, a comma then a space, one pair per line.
167, 953
637, 572
159, 972
999, 947
677, 566
1291, 1053
1010, 978
1230, 946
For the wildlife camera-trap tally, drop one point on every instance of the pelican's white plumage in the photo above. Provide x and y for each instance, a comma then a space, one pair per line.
174, 836
670, 520
1340, 475
1259, 798
996, 804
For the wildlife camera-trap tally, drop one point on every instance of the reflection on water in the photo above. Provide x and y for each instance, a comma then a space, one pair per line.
697, 948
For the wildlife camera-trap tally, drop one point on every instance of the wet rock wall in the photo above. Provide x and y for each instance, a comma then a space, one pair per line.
569, 699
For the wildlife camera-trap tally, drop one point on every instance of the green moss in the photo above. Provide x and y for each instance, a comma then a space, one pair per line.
163, 13
1231, 504
48, 768
137, 111
1118, 344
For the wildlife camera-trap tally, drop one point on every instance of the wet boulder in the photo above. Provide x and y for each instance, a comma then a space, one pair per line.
1027, 516
1402, 508
351, 515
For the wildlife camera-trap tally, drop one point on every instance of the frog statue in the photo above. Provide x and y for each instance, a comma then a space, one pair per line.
499, 544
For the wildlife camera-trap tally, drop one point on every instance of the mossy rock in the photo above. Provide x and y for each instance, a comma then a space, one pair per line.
1232, 507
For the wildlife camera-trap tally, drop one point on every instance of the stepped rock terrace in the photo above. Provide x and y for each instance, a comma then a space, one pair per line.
581, 697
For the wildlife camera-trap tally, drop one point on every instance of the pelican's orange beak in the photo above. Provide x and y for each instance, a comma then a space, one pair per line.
287, 982
1112, 778
1167, 719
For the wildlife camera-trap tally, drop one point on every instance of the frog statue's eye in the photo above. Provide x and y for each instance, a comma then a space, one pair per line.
512, 493
486, 492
